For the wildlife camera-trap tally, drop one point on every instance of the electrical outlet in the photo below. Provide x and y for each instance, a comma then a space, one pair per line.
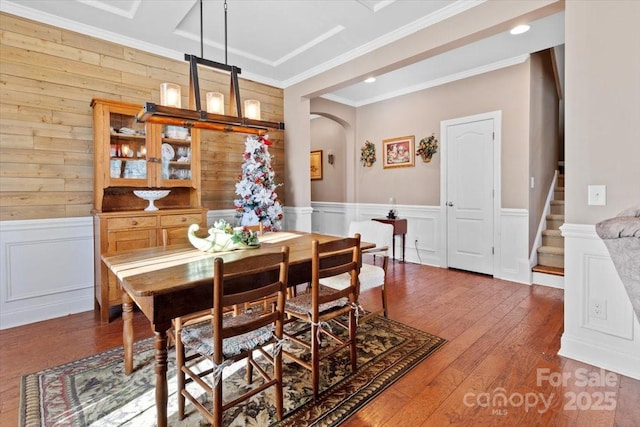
598, 308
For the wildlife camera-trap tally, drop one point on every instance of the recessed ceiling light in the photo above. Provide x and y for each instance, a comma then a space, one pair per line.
520, 29
370, 80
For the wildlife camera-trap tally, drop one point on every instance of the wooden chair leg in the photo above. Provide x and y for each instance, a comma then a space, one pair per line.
217, 404
315, 360
181, 377
352, 344
384, 300
277, 368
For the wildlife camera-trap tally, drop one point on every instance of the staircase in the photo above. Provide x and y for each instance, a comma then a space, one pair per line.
551, 253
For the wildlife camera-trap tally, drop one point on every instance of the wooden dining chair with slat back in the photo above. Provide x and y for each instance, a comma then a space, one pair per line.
258, 228
322, 305
224, 338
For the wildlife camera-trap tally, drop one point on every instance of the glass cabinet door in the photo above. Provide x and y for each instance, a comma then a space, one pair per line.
176, 154
128, 149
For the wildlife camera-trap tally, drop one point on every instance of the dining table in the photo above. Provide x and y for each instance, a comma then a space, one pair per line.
171, 281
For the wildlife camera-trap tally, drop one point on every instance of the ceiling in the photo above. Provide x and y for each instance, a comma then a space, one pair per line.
283, 42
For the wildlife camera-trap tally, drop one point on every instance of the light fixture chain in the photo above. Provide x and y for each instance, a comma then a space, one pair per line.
225, 33
201, 33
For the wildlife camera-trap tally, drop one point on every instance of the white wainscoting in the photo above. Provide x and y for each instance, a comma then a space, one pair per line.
424, 234
422, 226
608, 340
46, 266
47, 269
512, 251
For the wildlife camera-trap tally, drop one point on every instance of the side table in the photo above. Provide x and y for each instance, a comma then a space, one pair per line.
399, 228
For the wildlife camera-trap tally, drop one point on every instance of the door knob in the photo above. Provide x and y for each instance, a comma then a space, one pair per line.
449, 203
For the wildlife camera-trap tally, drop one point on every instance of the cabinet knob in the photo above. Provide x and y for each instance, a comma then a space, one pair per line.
184, 219
134, 222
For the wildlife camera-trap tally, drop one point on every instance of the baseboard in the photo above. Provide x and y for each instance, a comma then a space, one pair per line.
600, 356
550, 280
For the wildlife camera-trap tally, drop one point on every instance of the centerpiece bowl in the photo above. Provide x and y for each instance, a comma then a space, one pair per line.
151, 196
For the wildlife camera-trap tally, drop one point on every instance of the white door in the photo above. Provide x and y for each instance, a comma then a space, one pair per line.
469, 195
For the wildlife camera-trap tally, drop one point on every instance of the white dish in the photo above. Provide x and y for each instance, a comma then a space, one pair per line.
177, 132
151, 196
168, 153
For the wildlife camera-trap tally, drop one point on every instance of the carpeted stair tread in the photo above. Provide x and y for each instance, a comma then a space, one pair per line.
556, 217
551, 250
555, 233
557, 202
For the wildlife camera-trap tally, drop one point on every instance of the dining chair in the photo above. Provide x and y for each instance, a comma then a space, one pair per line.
257, 228
224, 338
373, 270
322, 305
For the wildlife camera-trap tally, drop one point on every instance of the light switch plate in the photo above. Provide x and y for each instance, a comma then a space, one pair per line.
597, 195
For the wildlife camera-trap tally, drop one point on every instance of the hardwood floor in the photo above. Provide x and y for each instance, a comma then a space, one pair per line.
503, 343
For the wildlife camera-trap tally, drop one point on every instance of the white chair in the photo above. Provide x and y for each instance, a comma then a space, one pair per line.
373, 271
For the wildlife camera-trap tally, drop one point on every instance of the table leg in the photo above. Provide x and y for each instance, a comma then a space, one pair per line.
127, 332
393, 250
161, 374
404, 236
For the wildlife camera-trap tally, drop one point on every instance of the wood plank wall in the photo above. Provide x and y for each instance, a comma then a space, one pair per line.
48, 77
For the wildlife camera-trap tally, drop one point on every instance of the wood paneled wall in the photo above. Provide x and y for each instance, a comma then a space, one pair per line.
48, 77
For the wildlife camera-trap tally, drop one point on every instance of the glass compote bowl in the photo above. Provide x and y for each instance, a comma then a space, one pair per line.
151, 196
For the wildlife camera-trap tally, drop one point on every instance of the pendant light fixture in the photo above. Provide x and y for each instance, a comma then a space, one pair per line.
170, 95
215, 103
213, 117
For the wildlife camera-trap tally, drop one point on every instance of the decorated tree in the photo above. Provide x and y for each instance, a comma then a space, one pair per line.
258, 200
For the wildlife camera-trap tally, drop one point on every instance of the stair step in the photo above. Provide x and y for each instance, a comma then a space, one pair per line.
551, 256
560, 181
557, 207
556, 271
552, 238
554, 221
558, 193
551, 250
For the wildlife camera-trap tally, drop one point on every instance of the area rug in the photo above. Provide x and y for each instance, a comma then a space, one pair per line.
95, 391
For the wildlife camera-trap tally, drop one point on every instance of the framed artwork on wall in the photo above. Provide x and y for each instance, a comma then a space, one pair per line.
398, 152
316, 164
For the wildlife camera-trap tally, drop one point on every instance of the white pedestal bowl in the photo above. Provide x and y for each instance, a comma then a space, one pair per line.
151, 196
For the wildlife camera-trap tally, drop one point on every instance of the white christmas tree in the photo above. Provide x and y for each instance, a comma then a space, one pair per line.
258, 200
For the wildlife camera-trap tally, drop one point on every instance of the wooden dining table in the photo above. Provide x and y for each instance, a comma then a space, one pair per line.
173, 281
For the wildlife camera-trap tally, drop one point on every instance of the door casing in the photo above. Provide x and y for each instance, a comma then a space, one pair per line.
444, 174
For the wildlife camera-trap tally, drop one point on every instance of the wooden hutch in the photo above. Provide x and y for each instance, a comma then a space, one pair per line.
130, 155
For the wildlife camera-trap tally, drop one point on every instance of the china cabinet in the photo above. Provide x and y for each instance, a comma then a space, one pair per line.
130, 156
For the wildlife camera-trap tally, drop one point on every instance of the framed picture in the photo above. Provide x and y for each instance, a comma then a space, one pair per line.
399, 152
316, 164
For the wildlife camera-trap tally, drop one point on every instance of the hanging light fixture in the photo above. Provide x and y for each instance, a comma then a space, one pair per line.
215, 103
170, 95
252, 109
172, 114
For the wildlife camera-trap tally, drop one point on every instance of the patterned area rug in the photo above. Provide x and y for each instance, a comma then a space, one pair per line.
95, 391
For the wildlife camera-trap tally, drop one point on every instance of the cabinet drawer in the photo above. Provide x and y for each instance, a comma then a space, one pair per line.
181, 219
131, 222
